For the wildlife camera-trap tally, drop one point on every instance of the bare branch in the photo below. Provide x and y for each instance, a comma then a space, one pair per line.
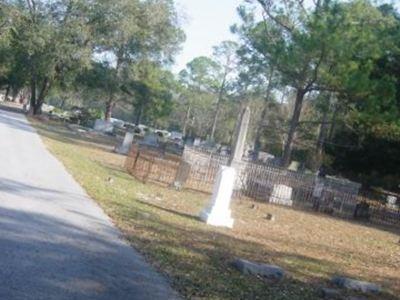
301, 4
266, 6
32, 8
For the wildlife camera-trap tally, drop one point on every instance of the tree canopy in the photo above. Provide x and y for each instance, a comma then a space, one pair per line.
321, 77
317, 48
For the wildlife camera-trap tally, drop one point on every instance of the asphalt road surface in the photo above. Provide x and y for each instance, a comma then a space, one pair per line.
55, 242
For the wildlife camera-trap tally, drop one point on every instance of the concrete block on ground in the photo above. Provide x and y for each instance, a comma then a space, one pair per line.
356, 285
263, 270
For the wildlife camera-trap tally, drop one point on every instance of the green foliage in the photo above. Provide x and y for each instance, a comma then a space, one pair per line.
98, 82
370, 159
325, 46
371, 124
150, 89
330, 62
202, 74
135, 33
133, 30
49, 43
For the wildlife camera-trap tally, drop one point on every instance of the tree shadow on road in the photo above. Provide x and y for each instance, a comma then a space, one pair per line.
45, 257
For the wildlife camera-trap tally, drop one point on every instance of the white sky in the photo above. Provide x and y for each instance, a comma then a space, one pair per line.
206, 24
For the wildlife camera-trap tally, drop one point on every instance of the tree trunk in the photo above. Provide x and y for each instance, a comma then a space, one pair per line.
139, 115
110, 104
218, 109
259, 132
15, 93
109, 109
261, 124
63, 99
32, 101
215, 121
37, 109
186, 122
333, 123
287, 153
319, 149
7, 93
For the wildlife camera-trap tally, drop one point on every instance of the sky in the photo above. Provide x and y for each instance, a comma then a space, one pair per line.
206, 24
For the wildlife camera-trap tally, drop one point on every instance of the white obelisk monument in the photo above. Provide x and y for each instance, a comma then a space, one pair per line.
218, 213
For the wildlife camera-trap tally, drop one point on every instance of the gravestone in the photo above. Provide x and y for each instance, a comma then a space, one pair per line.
224, 151
240, 140
265, 156
126, 144
263, 270
150, 139
196, 142
356, 285
362, 211
103, 126
318, 192
218, 213
281, 194
391, 202
182, 174
294, 166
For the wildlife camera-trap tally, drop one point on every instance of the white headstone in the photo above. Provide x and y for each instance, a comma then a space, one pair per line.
197, 142
318, 187
126, 144
265, 156
219, 213
392, 202
281, 194
294, 166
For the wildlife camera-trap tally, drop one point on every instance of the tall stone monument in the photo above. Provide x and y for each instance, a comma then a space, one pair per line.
218, 212
240, 137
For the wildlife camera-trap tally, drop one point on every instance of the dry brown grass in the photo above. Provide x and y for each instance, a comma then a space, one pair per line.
162, 223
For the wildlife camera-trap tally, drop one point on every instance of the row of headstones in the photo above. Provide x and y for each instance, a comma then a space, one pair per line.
151, 139
218, 212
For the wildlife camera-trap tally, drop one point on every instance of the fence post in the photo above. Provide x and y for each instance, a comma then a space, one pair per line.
146, 177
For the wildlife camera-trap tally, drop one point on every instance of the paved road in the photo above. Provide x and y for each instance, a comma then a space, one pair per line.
55, 242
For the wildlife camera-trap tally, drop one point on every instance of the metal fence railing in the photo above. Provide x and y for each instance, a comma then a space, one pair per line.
374, 208
197, 170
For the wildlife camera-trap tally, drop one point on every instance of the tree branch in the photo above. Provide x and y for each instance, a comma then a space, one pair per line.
32, 8
266, 6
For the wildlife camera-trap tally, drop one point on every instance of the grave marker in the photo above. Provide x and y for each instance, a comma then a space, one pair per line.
218, 213
126, 144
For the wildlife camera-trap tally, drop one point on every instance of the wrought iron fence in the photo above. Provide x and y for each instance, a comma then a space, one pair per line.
373, 207
197, 170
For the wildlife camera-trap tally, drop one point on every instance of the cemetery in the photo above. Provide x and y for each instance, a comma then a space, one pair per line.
304, 249
197, 169
182, 149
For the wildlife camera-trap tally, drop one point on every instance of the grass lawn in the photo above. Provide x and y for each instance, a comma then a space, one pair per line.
162, 224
